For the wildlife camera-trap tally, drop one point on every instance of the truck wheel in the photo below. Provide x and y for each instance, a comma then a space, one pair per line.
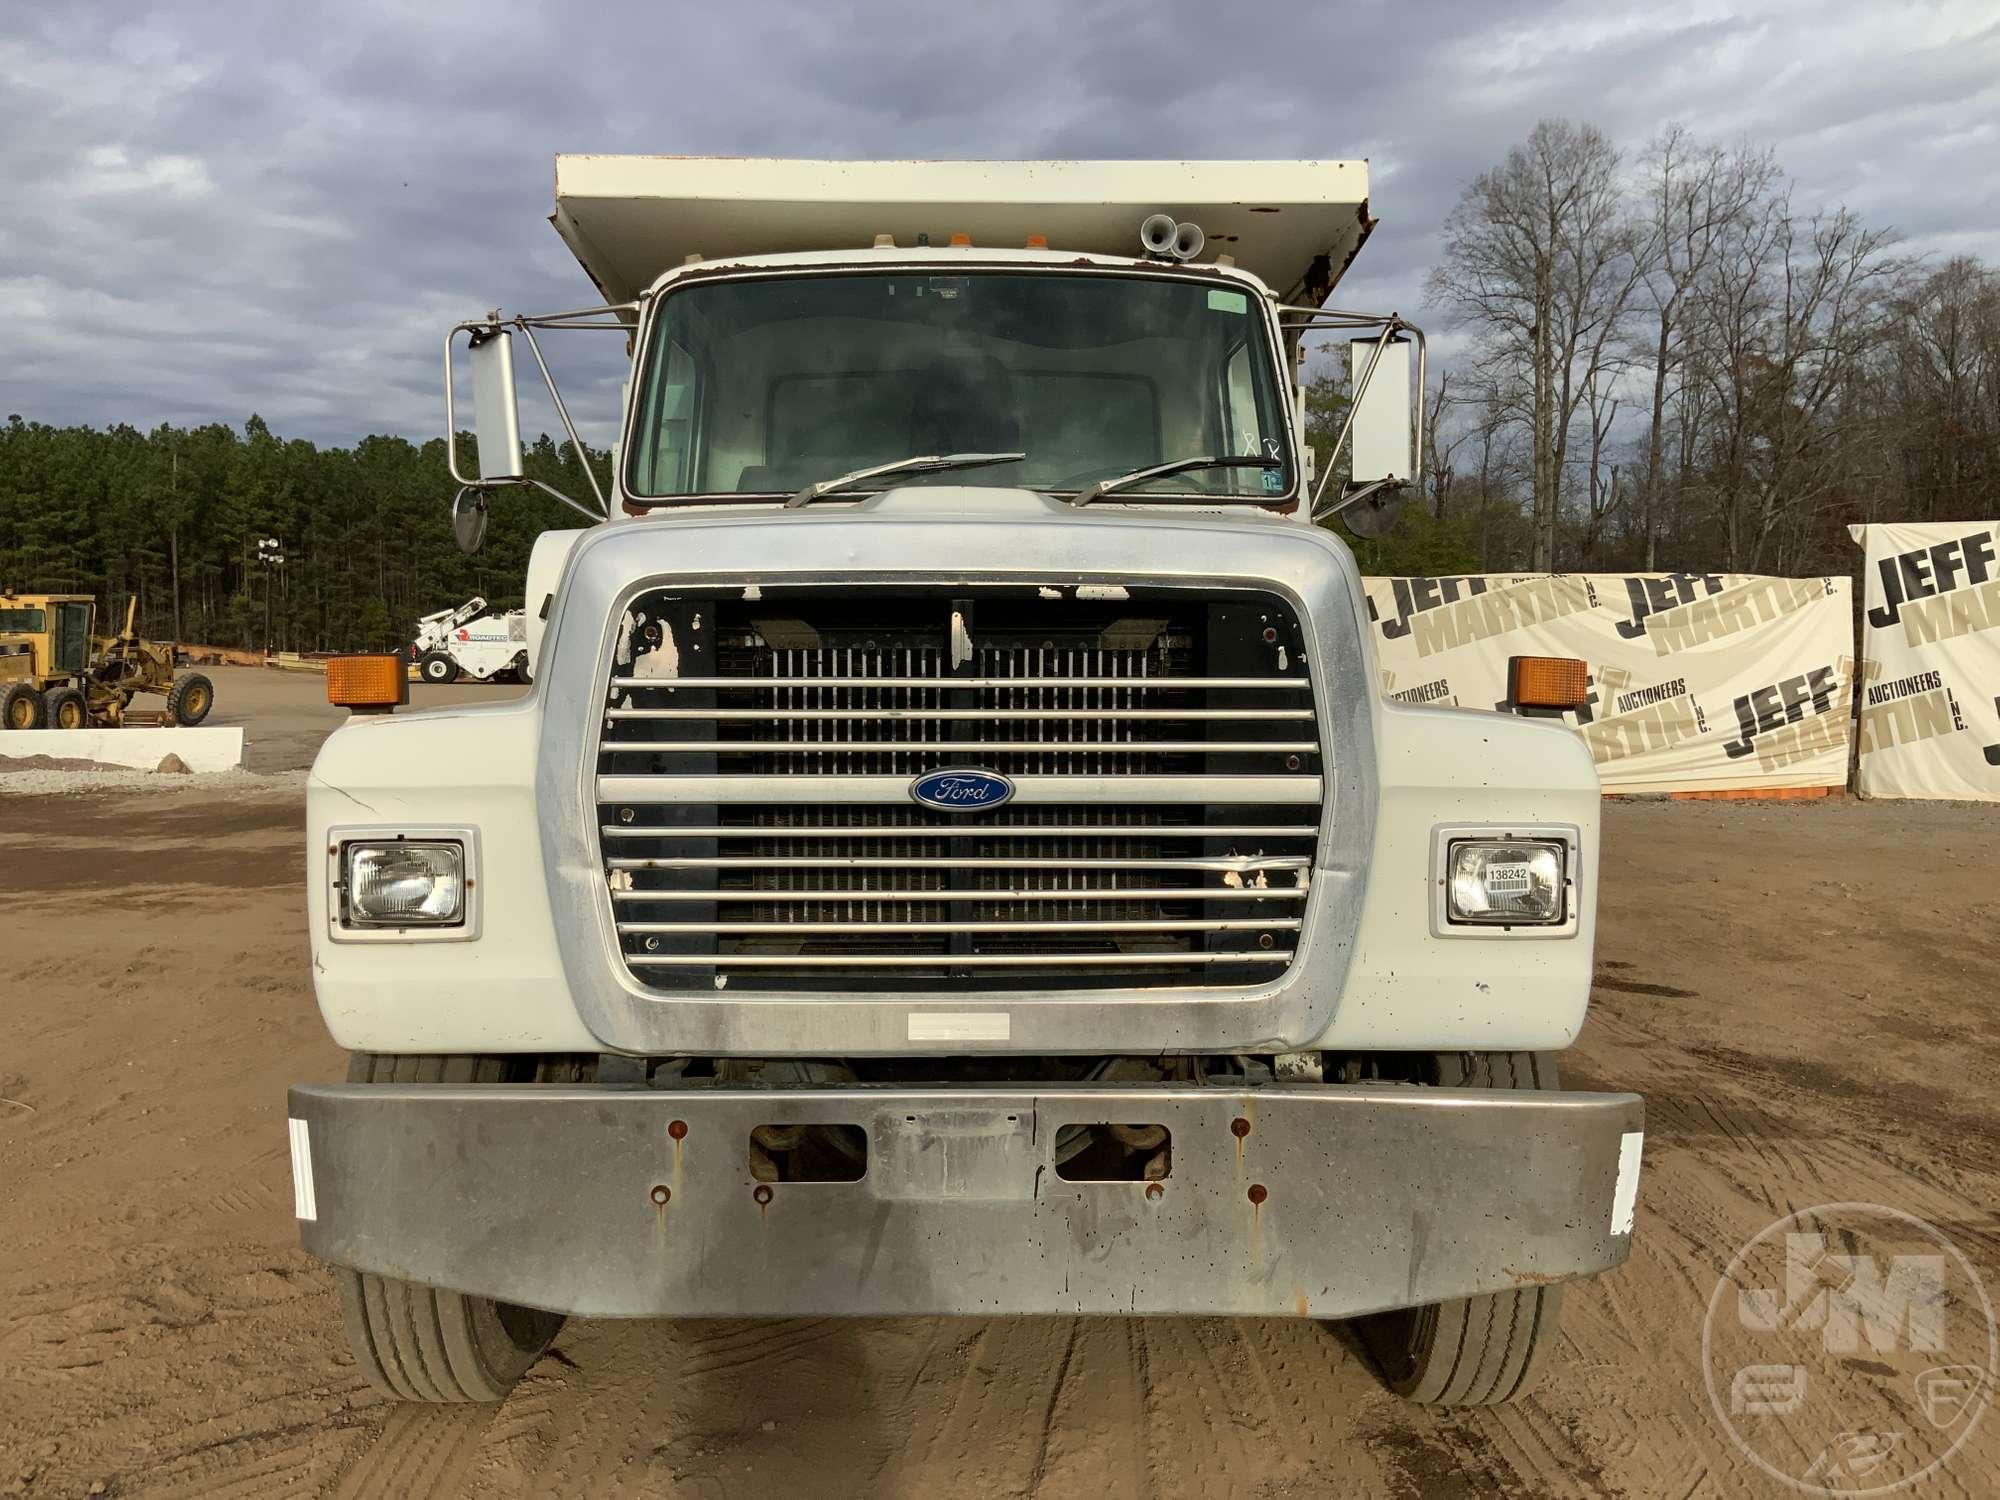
422, 1343
23, 708
437, 667
190, 699
67, 710
1472, 1351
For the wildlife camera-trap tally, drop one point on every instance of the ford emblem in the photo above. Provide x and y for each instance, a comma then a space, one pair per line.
961, 790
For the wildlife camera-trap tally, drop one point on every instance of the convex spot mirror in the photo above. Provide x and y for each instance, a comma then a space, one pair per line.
468, 518
1371, 518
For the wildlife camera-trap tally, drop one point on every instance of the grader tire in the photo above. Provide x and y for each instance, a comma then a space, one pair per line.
190, 699
67, 710
1472, 1351
23, 708
422, 1343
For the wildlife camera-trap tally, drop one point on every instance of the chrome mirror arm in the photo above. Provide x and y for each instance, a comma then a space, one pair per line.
602, 317
1391, 324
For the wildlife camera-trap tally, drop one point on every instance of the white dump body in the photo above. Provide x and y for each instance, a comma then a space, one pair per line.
630, 218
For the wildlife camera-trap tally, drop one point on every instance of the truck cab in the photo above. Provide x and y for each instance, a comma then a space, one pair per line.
955, 856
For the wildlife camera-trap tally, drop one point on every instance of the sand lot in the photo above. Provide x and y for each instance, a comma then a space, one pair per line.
1804, 992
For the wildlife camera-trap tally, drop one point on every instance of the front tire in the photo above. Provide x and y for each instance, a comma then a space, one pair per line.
436, 667
190, 699
1472, 1351
422, 1343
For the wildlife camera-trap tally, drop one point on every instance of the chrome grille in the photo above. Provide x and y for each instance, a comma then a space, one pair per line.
756, 754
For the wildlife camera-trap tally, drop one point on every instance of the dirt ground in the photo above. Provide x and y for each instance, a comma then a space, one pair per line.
1804, 993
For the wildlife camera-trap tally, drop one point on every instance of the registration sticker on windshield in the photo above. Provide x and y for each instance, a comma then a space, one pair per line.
1229, 302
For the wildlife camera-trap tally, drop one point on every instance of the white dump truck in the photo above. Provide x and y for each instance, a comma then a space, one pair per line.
470, 642
955, 857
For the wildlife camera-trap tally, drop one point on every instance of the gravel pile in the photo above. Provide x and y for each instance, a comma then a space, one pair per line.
51, 776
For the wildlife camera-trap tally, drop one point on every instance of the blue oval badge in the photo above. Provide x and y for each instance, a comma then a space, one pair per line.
962, 790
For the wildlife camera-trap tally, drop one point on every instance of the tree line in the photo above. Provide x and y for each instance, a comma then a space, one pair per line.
1668, 361
1659, 360
176, 516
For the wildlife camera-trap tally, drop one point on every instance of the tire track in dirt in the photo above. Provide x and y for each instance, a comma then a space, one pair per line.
419, 1452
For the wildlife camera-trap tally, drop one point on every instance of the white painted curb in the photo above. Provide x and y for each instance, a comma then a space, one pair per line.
136, 749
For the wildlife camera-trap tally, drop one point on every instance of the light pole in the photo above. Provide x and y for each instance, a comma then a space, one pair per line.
271, 557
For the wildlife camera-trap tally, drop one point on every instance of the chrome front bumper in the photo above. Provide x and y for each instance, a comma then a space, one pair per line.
1297, 1200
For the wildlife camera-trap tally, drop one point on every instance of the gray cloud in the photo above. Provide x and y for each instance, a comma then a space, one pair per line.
215, 210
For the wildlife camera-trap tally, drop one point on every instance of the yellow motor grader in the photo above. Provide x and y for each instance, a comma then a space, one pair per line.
55, 674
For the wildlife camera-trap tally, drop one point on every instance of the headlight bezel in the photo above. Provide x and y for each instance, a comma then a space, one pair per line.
344, 925
1565, 838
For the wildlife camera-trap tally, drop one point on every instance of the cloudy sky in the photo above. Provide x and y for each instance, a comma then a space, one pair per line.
217, 209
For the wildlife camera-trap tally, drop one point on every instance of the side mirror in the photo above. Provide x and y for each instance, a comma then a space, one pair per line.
1381, 418
496, 415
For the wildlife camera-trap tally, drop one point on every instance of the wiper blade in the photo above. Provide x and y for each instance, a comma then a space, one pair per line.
929, 463
1105, 487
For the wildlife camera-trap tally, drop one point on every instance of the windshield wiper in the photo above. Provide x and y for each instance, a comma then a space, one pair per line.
927, 464
1105, 487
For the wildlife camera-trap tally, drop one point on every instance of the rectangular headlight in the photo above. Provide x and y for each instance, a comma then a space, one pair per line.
404, 883
1501, 882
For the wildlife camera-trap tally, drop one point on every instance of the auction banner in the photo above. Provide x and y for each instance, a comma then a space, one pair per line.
1930, 661
1698, 681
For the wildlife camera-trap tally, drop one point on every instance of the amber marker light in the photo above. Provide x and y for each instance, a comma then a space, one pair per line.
373, 683
1547, 681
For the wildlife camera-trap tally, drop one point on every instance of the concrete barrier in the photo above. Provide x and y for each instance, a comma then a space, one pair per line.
135, 749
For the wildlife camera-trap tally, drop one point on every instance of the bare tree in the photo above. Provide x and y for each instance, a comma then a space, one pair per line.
1476, 419
1694, 194
1801, 375
1440, 468
1942, 384
1786, 314
1496, 464
1601, 496
1541, 259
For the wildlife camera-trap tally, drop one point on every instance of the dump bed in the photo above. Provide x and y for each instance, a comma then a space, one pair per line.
1296, 224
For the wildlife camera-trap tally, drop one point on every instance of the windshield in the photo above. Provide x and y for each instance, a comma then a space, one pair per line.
764, 386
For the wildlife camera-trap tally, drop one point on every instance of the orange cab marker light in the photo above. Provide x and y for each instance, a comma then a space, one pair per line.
961, 241
371, 683
1038, 242
1547, 681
